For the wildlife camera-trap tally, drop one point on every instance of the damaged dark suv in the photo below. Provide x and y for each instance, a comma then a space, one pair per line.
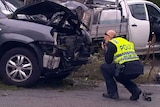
43, 39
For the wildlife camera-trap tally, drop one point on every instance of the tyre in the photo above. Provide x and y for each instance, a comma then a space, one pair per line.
19, 67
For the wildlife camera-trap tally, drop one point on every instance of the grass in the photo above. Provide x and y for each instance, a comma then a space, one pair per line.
8, 87
150, 75
91, 73
92, 69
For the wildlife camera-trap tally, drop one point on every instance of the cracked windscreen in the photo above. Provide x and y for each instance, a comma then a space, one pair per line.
9, 6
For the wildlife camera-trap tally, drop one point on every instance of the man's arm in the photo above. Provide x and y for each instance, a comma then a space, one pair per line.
109, 53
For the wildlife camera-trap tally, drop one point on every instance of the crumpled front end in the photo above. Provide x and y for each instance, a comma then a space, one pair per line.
68, 48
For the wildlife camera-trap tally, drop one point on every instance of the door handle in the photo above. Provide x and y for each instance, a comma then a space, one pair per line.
134, 25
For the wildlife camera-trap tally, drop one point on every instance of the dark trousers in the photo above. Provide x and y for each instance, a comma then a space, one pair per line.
108, 71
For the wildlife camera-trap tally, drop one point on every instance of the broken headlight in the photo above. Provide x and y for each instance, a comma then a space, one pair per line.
47, 47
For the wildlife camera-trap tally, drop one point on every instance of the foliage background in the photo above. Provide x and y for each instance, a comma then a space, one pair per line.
156, 1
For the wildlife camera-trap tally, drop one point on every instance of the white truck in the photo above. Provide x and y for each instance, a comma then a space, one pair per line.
134, 19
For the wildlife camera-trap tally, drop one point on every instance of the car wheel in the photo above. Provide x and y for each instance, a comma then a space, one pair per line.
19, 67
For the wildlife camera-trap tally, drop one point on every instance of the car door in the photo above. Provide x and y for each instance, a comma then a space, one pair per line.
154, 17
138, 25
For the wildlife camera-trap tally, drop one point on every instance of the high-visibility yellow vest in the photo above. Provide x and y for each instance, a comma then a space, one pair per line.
125, 50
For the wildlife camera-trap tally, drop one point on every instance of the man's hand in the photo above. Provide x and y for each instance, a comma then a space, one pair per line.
103, 45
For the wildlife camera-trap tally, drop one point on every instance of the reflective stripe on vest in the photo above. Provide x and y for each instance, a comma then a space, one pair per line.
125, 51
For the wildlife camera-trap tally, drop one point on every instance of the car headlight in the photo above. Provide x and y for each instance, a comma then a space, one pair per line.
47, 46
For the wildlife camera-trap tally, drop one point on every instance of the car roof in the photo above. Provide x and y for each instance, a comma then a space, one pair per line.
113, 1
138, 1
104, 2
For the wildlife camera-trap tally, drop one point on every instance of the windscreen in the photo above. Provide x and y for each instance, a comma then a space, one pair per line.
16, 3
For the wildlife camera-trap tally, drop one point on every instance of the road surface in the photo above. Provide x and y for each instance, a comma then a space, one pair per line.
40, 97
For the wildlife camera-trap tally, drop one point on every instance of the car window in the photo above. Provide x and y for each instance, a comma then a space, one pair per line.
7, 9
4, 9
16, 3
153, 11
111, 16
138, 11
9, 6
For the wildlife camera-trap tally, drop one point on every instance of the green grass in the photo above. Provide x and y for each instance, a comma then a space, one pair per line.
8, 87
90, 73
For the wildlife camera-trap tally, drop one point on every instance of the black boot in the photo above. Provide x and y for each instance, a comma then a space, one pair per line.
112, 96
135, 94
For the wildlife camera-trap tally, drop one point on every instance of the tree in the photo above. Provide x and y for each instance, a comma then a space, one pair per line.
156, 2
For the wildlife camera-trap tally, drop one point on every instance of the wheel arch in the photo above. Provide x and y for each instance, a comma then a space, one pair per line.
31, 46
23, 70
